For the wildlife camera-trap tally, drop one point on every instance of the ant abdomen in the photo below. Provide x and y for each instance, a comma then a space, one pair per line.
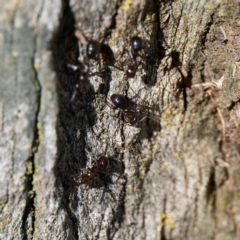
137, 44
118, 100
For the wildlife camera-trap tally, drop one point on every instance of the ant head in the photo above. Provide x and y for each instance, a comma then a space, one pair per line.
118, 100
93, 49
102, 163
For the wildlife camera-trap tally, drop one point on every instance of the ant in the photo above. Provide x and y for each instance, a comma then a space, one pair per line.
92, 52
97, 169
93, 47
131, 111
99, 166
128, 108
137, 45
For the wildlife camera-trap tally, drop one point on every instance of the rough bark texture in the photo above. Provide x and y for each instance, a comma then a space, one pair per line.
174, 175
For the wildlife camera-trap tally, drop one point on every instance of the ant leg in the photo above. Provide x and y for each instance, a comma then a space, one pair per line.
86, 189
152, 117
143, 118
91, 157
72, 66
117, 175
109, 104
117, 67
110, 193
73, 95
116, 116
136, 94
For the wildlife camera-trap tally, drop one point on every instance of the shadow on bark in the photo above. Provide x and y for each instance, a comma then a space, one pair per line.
75, 116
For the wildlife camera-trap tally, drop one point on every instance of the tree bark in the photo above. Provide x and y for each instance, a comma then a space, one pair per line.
173, 175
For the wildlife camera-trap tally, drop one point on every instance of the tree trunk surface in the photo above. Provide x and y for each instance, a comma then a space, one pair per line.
172, 175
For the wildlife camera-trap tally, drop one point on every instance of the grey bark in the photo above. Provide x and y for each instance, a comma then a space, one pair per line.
172, 176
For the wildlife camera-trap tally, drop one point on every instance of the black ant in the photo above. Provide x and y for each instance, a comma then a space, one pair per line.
137, 45
99, 166
128, 108
131, 110
92, 52
97, 169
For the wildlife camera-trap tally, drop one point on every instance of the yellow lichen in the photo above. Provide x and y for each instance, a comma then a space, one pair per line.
9, 219
29, 168
131, 208
167, 220
165, 165
167, 124
179, 155
126, 4
38, 211
2, 204
149, 19
36, 66
40, 137
35, 177
144, 159
1, 224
